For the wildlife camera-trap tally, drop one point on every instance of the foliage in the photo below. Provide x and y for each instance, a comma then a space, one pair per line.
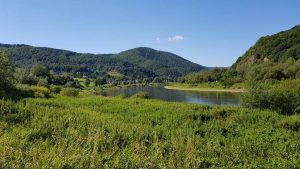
87, 82
40, 92
55, 89
39, 70
133, 64
98, 90
6, 75
73, 84
290, 123
283, 97
70, 92
141, 95
100, 81
164, 64
277, 48
204, 76
227, 77
98, 132
272, 57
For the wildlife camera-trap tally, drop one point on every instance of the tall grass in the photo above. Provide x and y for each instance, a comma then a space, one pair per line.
99, 132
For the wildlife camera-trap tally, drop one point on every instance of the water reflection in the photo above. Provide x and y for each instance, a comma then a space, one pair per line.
211, 98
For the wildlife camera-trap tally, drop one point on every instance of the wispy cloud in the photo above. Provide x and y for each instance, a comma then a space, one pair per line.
157, 40
175, 38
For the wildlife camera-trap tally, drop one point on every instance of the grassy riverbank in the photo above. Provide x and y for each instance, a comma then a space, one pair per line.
100, 132
210, 87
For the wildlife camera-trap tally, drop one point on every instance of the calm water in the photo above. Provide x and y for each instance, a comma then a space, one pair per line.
211, 98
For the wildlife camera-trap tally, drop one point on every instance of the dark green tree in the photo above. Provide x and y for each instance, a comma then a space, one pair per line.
87, 82
6, 75
39, 70
100, 81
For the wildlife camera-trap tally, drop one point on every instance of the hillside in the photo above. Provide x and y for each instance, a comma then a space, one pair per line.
137, 63
275, 48
275, 57
272, 57
161, 63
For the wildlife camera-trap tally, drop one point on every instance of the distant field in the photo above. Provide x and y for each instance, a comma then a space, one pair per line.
99, 132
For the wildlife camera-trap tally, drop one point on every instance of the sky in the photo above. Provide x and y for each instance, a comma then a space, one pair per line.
207, 32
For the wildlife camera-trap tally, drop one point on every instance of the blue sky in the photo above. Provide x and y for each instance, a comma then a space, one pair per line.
207, 32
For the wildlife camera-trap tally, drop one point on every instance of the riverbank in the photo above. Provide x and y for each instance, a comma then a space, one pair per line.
205, 89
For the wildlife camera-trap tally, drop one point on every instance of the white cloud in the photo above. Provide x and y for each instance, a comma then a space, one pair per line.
157, 40
175, 38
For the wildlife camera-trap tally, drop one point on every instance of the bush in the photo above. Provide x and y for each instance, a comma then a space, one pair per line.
142, 95
98, 90
100, 81
290, 123
70, 92
55, 89
24, 91
283, 97
40, 92
73, 84
43, 82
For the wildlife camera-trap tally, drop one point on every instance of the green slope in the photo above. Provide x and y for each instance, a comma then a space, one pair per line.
160, 62
137, 63
272, 57
275, 48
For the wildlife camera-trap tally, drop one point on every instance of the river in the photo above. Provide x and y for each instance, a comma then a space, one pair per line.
200, 97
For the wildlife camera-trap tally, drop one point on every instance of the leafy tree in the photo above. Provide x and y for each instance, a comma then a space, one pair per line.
6, 75
87, 82
39, 71
100, 81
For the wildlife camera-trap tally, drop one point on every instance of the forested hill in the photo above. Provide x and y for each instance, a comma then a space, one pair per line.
276, 48
272, 57
160, 62
136, 63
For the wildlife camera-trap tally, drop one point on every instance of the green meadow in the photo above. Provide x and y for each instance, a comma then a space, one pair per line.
104, 132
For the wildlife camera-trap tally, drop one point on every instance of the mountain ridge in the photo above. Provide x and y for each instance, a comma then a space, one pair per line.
142, 64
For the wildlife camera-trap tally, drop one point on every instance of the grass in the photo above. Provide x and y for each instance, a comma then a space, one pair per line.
100, 132
213, 86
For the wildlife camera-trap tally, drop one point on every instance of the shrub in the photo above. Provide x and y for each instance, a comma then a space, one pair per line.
98, 90
142, 95
24, 91
290, 123
40, 91
55, 89
283, 97
73, 84
70, 92
43, 82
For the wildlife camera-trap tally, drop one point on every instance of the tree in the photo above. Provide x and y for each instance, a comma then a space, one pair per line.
87, 82
39, 70
100, 81
6, 75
